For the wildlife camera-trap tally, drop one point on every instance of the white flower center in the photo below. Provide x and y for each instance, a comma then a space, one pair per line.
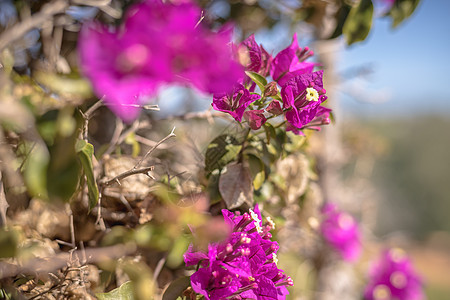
345, 221
312, 94
381, 292
398, 279
397, 254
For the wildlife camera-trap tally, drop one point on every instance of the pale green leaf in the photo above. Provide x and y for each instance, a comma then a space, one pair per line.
123, 292
85, 153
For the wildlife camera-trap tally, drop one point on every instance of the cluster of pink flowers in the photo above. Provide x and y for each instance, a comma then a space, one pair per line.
158, 43
244, 266
302, 91
341, 231
393, 277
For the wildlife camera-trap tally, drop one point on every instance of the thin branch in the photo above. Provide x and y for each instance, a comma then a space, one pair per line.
207, 114
122, 135
63, 243
171, 134
58, 261
126, 174
95, 3
93, 108
147, 142
3, 203
87, 116
159, 267
115, 137
154, 107
72, 230
99, 221
35, 21
127, 205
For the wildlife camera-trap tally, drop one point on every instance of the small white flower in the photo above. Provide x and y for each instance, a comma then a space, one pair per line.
275, 258
256, 220
271, 222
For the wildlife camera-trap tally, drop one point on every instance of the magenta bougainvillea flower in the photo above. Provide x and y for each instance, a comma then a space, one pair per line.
119, 68
392, 276
242, 267
341, 231
252, 54
234, 103
205, 62
257, 59
158, 43
302, 96
290, 62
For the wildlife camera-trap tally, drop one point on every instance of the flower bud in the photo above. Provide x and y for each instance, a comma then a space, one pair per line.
271, 89
255, 118
274, 108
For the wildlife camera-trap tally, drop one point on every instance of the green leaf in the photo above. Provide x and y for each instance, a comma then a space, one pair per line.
65, 85
260, 81
221, 151
175, 257
359, 21
257, 172
35, 168
131, 140
278, 140
270, 132
85, 153
176, 287
341, 17
63, 172
401, 10
123, 292
277, 97
235, 186
141, 276
296, 142
8, 243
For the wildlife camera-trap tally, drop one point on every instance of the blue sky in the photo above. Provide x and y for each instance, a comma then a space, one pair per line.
410, 64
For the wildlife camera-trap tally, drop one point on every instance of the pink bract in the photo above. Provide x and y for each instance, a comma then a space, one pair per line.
158, 43
341, 231
393, 276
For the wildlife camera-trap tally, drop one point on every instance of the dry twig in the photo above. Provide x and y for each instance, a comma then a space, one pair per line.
35, 21
87, 116
128, 173
58, 261
171, 134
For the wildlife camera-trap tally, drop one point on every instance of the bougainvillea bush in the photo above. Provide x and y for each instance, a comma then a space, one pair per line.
104, 195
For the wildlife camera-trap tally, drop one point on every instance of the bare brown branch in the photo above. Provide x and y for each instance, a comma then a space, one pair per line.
126, 174
171, 134
36, 21
58, 261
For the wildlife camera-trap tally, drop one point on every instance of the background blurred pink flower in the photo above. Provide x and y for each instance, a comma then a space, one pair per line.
392, 276
341, 231
158, 43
